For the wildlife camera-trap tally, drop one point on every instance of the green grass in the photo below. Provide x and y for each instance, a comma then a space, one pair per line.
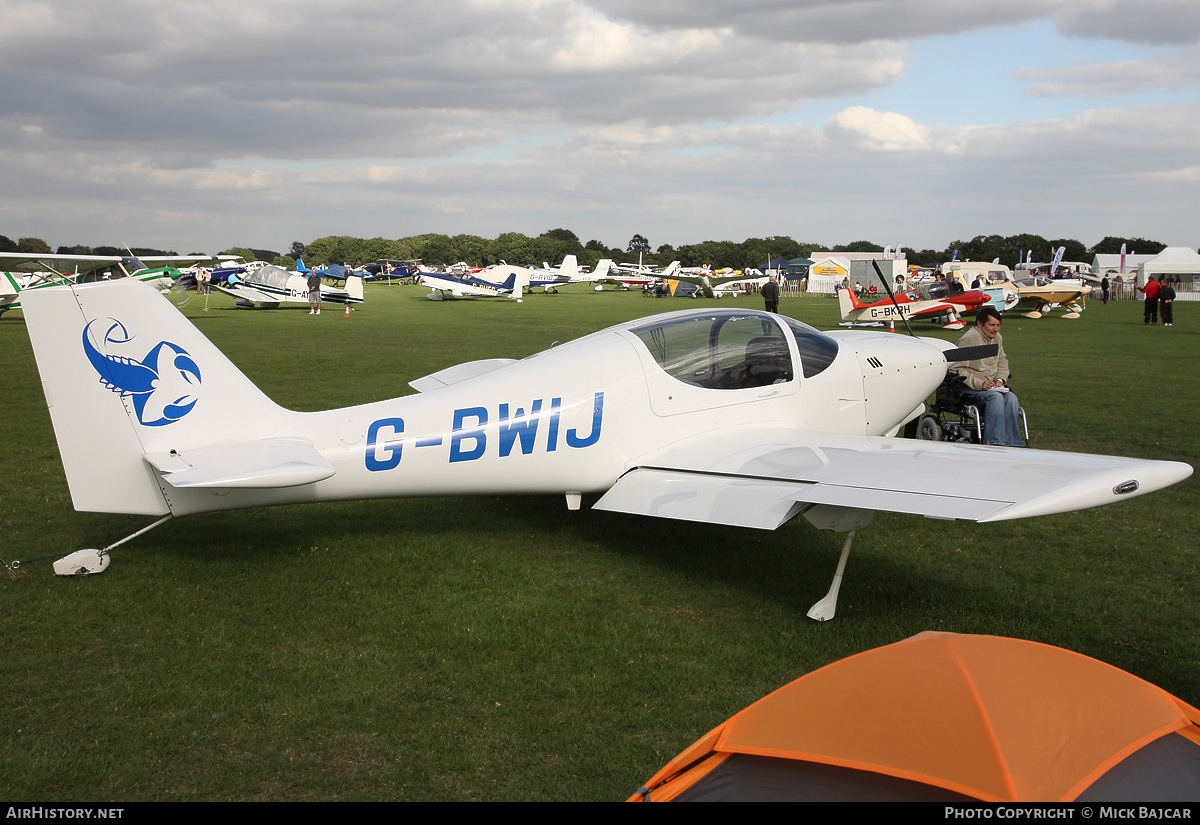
506, 648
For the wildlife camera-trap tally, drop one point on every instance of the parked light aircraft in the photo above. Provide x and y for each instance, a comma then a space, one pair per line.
730, 417
568, 272
915, 303
404, 271
708, 283
1043, 294
627, 275
509, 284
270, 286
42, 269
742, 282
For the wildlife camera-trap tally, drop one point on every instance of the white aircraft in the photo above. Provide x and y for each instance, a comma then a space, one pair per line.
270, 286
568, 272
42, 269
710, 284
627, 275
731, 417
748, 277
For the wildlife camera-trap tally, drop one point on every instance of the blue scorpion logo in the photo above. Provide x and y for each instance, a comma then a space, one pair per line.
161, 385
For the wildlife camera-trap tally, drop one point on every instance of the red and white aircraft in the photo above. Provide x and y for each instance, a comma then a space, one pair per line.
931, 300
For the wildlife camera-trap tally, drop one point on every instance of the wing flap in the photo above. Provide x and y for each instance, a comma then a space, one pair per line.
274, 462
738, 502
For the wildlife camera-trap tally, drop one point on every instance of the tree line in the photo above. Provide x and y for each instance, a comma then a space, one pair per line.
552, 245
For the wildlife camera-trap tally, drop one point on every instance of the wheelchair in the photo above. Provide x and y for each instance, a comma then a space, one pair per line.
952, 416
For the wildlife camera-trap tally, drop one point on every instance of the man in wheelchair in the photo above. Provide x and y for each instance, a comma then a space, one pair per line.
987, 383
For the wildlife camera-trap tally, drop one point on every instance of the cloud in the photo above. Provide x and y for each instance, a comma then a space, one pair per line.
288, 120
1155, 22
1119, 77
880, 131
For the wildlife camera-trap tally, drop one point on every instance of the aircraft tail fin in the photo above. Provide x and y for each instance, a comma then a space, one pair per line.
128, 378
569, 267
354, 286
520, 281
602, 268
847, 302
673, 269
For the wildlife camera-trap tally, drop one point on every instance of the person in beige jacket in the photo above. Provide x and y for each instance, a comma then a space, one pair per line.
987, 379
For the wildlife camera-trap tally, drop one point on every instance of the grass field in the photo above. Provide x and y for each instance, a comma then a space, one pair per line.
506, 648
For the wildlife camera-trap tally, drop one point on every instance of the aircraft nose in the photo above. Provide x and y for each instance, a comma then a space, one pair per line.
898, 375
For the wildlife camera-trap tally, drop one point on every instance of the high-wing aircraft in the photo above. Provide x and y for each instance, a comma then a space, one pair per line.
270, 286
627, 275
509, 283
708, 283
42, 269
745, 279
403, 271
730, 417
915, 303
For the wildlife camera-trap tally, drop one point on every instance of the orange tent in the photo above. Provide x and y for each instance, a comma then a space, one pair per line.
943, 716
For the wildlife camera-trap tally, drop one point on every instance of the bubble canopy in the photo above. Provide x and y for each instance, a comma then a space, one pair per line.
727, 350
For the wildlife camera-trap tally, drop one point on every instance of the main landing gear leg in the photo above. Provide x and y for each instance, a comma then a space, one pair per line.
823, 610
848, 520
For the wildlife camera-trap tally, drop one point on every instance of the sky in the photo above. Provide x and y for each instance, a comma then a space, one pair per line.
198, 125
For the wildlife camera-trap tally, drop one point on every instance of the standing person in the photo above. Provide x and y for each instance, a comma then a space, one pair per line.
770, 294
1150, 290
987, 380
1104, 290
203, 281
1166, 300
314, 293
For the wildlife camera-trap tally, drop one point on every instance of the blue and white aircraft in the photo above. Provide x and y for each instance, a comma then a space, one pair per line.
724, 416
502, 281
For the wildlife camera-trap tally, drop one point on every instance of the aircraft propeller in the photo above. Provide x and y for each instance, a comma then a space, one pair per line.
888, 288
956, 355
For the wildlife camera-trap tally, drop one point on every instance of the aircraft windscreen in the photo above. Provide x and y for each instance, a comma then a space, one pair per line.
720, 352
934, 290
817, 350
132, 264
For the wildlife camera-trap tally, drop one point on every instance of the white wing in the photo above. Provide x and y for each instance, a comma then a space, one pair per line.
761, 475
67, 264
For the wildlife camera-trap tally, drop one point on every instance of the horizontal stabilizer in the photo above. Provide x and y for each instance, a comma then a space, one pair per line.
273, 462
459, 372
